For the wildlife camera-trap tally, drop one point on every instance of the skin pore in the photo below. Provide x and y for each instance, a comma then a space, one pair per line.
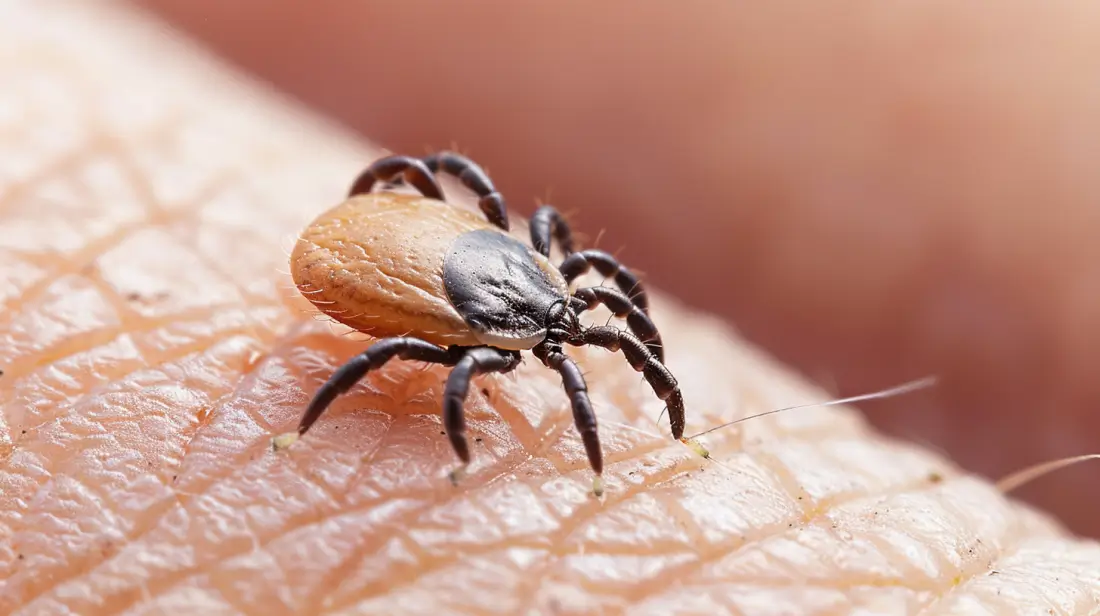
152, 346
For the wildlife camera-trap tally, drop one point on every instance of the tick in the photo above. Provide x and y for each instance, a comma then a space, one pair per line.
437, 283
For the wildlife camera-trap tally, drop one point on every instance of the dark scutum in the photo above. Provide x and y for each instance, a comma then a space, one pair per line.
493, 281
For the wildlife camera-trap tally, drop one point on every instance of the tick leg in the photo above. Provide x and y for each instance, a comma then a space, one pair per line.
548, 222
473, 177
578, 263
373, 358
395, 169
620, 305
583, 416
478, 360
642, 360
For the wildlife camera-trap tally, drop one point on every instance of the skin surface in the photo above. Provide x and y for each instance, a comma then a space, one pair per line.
870, 190
151, 347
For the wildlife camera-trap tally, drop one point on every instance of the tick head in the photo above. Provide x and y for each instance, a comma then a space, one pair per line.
562, 321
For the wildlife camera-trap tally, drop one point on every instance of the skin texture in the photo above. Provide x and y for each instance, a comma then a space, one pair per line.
872, 191
151, 347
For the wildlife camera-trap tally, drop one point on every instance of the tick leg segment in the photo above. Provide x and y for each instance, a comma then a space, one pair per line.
476, 361
578, 263
548, 222
473, 177
394, 170
584, 417
620, 305
373, 358
642, 360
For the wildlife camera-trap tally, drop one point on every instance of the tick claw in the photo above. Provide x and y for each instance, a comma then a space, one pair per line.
697, 447
457, 475
283, 441
597, 486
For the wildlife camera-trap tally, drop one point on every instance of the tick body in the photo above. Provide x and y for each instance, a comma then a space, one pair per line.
440, 284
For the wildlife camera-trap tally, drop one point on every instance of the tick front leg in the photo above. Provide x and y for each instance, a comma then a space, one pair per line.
584, 417
476, 361
375, 357
620, 305
644, 361
578, 263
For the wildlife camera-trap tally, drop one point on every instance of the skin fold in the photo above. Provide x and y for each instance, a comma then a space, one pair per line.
152, 345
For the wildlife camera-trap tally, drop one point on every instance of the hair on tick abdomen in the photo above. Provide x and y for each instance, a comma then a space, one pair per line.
438, 284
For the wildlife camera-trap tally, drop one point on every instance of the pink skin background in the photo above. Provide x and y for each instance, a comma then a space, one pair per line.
874, 192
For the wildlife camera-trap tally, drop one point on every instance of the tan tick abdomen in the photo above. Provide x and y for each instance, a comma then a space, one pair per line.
375, 263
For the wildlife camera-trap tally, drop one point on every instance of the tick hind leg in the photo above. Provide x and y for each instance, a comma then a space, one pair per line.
394, 170
584, 417
644, 361
476, 361
578, 264
373, 358
621, 306
472, 176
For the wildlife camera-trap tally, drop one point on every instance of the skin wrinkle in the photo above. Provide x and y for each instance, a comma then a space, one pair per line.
269, 502
247, 380
657, 481
715, 552
177, 353
119, 237
30, 433
49, 476
170, 582
957, 588
548, 543
93, 339
88, 257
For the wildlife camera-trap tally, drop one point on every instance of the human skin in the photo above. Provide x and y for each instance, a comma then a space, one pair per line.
151, 347
870, 191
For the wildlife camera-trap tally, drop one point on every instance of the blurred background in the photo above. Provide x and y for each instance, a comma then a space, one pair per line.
873, 192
